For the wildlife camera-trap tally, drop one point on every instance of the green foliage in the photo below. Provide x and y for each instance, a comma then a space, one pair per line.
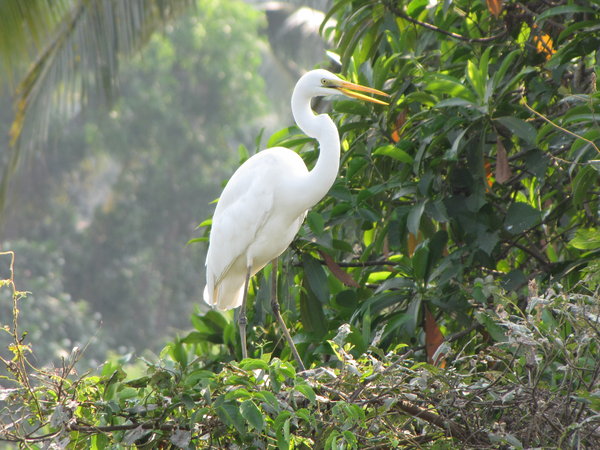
484, 163
535, 386
476, 189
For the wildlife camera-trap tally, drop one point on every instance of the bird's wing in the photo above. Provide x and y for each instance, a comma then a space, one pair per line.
244, 207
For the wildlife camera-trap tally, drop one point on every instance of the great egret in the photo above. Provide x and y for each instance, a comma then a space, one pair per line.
264, 203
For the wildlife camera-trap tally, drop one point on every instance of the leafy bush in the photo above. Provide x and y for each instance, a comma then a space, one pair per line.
536, 384
485, 163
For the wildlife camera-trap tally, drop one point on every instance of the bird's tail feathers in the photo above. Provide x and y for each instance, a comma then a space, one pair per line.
225, 295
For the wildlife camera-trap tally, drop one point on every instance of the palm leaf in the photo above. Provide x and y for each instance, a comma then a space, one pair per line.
79, 45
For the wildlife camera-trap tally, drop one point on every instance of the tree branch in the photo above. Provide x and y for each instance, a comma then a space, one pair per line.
399, 13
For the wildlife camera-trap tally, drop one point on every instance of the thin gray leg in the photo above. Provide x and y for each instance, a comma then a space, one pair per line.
275, 306
242, 319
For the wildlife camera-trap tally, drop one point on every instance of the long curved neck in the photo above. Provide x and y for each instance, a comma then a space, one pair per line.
318, 181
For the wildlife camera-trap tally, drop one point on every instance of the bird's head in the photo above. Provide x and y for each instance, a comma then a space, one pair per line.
321, 82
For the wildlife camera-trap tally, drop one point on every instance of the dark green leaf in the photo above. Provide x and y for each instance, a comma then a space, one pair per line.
449, 86
351, 107
316, 278
307, 391
420, 262
282, 430
520, 217
252, 414
519, 127
230, 414
583, 184
564, 9
311, 313
414, 217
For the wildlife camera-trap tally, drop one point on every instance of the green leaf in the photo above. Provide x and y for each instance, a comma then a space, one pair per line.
198, 376
243, 153
181, 438
133, 435
520, 217
311, 313
305, 415
230, 414
394, 152
583, 184
138, 382
437, 244
591, 135
452, 154
269, 398
252, 414
507, 63
580, 25
449, 87
315, 222
205, 223
350, 438
281, 425
565, 9
254, 364
476, 79
415, 7
351, 107
586, 239
419, 97
484, 63
354, 165
280, 136
178, 352
307, 391
196, 240
518, 127
486, 241
513, 280
99, 442
420, 262
450, 102
414, 217
196, 337
316, 277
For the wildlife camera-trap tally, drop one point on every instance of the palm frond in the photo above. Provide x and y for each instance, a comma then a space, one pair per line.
24, 26
83, 41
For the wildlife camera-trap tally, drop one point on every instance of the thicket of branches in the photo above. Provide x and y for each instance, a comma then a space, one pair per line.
534, 384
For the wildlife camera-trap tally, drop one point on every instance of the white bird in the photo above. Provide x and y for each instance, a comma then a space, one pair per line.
266, 200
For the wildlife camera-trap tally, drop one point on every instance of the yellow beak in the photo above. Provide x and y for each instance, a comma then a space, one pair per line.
348, 89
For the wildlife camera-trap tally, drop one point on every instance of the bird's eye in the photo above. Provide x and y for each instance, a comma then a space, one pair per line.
325, 82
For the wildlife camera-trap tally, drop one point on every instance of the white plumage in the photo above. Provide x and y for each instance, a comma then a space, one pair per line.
264, 203
253, 223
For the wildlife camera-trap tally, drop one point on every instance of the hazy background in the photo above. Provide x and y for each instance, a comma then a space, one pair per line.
100, 211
